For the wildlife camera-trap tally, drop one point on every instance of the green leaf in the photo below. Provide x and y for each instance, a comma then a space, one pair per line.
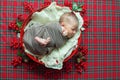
19, 24
79, 9
79, 5
74, 6
19, 53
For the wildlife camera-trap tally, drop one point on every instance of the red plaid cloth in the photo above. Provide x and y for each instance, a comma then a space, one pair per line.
102, 39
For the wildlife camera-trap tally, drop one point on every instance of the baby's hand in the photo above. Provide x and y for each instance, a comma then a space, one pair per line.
64, 32
42, 41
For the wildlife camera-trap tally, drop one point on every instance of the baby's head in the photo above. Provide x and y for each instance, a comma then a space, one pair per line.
69, 23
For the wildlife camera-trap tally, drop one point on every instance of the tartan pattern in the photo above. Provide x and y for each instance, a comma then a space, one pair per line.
102, 39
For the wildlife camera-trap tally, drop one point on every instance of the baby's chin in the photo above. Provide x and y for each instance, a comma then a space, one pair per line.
69, 36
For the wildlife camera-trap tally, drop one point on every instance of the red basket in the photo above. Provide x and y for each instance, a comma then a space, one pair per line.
32, 57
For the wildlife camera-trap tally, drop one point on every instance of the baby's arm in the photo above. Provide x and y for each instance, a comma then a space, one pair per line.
42, 41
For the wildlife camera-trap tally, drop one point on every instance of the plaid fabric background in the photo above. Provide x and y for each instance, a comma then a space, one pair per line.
102, 39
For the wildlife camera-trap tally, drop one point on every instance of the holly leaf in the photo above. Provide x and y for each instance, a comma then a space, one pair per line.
19, 24
19, 53
79, 9
74, 6
80, 5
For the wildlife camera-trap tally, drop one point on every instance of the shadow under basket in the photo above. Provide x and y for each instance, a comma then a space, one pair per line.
26, 21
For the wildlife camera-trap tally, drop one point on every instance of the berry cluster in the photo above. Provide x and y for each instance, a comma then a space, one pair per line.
28, 7
83, 12
13, 26
16, 25
80, 67
68, 67
30, 65
81, 59
16, 61
52, 74
46, 2
15, 44
85, 24
69, 4
83, 50
21, 18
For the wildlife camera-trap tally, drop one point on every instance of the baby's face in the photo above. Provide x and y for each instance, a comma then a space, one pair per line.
69, 30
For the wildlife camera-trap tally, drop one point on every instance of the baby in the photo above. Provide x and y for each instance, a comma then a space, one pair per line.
42, 39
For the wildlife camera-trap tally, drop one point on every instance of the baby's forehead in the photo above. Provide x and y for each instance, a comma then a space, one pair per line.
73, 20
74, 23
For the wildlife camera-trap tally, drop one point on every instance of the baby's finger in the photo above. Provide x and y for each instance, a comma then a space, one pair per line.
48, 39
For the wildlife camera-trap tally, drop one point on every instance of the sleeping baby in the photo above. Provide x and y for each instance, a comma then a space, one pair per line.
42, 39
